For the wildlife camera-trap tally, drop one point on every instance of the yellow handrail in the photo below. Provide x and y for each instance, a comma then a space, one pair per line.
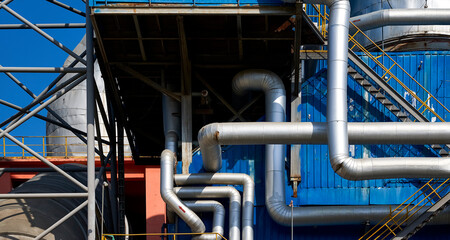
323, 17
425, 195
39, 145
174, 235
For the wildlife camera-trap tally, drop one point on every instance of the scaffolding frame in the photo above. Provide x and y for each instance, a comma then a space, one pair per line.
51, 93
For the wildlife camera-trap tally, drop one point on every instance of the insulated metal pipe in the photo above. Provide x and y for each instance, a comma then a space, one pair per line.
218, 192
390, 17
168, 160
218, 215
273, 88
213, 135
228, 178
171, 120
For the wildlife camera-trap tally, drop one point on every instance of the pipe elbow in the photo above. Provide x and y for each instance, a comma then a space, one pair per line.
279, 212
348, 167
208, 138
257, 79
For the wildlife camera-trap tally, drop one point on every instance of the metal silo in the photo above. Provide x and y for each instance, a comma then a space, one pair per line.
407, 37
72, 108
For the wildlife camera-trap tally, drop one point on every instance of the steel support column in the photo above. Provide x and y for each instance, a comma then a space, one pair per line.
90, 111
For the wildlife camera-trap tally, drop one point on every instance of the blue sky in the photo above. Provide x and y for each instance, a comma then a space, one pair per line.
26, 48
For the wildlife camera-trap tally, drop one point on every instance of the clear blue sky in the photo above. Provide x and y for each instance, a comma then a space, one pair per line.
26, 48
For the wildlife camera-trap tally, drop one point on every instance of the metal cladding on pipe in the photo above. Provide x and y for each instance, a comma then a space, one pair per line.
168, 160
218, 192
218, 214
389, 17
341, 162
228, 178
215, 134
254, 79
172, 121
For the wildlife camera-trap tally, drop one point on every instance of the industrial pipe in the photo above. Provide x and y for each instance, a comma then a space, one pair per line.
168, 161
228, 178
275, 95
213, 135
390, 17
171, 120
218, 214
218, 192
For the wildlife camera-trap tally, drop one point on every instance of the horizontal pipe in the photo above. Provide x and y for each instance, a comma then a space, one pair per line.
42, 69
218, 192
248, 198
395, 17
43, 195
213, 135
66, 169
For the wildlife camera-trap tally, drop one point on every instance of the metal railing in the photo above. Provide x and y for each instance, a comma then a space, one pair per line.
403, 214
107, 236
434, 189
66, 146
426, 100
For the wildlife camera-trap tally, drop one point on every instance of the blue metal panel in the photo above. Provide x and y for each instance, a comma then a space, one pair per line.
99, 3
320, 185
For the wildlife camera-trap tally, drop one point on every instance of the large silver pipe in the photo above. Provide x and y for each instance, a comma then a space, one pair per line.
344, 165
275, 96
171, 120
213, 135
218, 192
390, 17
168, 161
218, 214
248, 197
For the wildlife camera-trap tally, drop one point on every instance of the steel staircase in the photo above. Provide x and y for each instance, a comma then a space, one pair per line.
410, 216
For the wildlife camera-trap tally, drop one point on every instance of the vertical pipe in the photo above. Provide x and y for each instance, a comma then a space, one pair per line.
121, 173
90, 125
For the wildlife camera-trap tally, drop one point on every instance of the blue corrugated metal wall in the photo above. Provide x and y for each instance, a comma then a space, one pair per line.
320, 185
98, 3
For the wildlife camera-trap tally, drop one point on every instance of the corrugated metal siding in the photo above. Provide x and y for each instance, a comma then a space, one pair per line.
320, 185
99, 3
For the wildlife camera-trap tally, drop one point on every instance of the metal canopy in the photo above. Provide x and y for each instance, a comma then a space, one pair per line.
140, 52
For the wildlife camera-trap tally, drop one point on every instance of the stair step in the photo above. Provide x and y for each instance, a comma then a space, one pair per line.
436, 146
371, 89
443, 153
364, 83
380, 96
394, 109
386, 102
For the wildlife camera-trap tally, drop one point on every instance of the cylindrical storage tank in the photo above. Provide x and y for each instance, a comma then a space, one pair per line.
27, 218
72, 108
404, 38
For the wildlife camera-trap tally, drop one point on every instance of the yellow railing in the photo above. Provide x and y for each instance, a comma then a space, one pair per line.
42, 145
422, 95
423, 198
107, 236
433, 190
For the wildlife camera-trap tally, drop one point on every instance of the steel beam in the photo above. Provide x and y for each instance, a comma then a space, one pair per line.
44, 34
42, 195
183, 10
43, 69
139, 34
65, 6
90, 112
43, 25
186, 99
50, 164
60, 221
148, 81
221, 99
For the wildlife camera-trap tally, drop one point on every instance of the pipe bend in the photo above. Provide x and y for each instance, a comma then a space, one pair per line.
208, 138
168, 160
257, 79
